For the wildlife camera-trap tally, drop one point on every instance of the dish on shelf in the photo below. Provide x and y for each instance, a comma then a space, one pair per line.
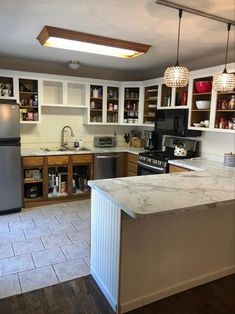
152, 106
203, 104
152, 90
153, 97
203, 86
198, 125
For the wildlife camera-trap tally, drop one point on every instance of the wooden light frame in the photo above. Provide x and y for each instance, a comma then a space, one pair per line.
68, 39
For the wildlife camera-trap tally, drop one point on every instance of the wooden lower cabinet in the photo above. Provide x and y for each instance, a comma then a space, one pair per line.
174, 168
131, 165
55, 179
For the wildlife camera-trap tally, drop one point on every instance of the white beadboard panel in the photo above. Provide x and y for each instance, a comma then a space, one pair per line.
105, 245
169, 253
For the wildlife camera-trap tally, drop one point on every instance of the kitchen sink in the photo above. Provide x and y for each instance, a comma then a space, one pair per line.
64, 149
54, 149
82, 149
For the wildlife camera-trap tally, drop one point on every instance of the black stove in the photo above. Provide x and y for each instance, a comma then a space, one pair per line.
156, 161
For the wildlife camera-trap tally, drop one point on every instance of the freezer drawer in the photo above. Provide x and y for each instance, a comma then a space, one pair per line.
10, 179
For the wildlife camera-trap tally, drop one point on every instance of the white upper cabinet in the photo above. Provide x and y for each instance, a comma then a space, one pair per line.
121, 103
68, 94
104, 104
132, 103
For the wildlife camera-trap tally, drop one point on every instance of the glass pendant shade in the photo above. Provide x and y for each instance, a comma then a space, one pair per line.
176, 76
224, 82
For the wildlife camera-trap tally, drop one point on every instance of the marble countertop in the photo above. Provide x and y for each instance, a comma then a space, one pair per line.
197, 164
39, 152
144, 196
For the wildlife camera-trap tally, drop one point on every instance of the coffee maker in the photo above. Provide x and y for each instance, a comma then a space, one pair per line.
153, 140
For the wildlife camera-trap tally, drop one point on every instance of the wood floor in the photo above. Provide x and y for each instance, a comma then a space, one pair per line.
82, 296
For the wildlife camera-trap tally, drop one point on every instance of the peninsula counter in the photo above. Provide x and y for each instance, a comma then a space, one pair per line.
154, 236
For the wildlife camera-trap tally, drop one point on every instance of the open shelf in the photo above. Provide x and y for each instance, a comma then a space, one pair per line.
29, 102
96, 103
28, 181
7, 87
150, 104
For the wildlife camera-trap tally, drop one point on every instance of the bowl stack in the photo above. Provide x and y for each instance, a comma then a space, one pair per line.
203, 86
203, 104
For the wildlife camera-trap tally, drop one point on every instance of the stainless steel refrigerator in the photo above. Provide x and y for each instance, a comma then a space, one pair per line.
10, 160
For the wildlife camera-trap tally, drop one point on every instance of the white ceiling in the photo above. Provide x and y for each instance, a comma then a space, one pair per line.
144, 21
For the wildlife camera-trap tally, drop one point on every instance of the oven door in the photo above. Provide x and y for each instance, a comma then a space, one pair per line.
145, 169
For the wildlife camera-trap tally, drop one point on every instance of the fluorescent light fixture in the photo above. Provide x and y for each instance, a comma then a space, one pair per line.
66, 39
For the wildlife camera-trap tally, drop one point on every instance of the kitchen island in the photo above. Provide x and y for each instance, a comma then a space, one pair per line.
154, 236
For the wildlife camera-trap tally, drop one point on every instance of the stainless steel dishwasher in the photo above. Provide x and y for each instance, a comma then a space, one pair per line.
108, 165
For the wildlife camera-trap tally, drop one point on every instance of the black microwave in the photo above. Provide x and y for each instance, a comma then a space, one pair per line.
173, 122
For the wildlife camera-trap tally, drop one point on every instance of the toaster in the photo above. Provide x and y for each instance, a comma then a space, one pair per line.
105, 141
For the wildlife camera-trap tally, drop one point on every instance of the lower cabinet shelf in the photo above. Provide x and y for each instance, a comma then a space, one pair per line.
28, 200
64, 179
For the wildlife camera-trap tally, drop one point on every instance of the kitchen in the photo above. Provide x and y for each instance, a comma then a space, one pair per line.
57, 86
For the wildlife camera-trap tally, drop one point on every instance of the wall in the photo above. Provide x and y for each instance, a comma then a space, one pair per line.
213, 145
48, 132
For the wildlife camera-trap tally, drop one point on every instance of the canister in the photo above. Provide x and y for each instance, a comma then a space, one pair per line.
229, 160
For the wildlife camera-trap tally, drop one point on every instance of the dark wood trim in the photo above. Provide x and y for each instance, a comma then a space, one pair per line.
51, 31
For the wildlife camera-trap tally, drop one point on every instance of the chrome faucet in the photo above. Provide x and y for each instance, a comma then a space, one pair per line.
63, 142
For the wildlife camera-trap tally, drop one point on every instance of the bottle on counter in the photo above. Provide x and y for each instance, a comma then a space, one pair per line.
95, 93
221, 123
231, 104
76, 144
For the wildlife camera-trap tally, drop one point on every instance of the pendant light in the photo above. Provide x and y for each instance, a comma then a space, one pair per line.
177, 76
224, 82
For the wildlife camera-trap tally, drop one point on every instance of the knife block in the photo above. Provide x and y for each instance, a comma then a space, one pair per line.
137, 142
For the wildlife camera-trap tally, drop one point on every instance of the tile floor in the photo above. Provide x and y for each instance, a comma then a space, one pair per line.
43, 246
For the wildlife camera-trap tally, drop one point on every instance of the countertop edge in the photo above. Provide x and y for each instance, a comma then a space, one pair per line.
181, 164
39, 152
136, 215
124, 208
